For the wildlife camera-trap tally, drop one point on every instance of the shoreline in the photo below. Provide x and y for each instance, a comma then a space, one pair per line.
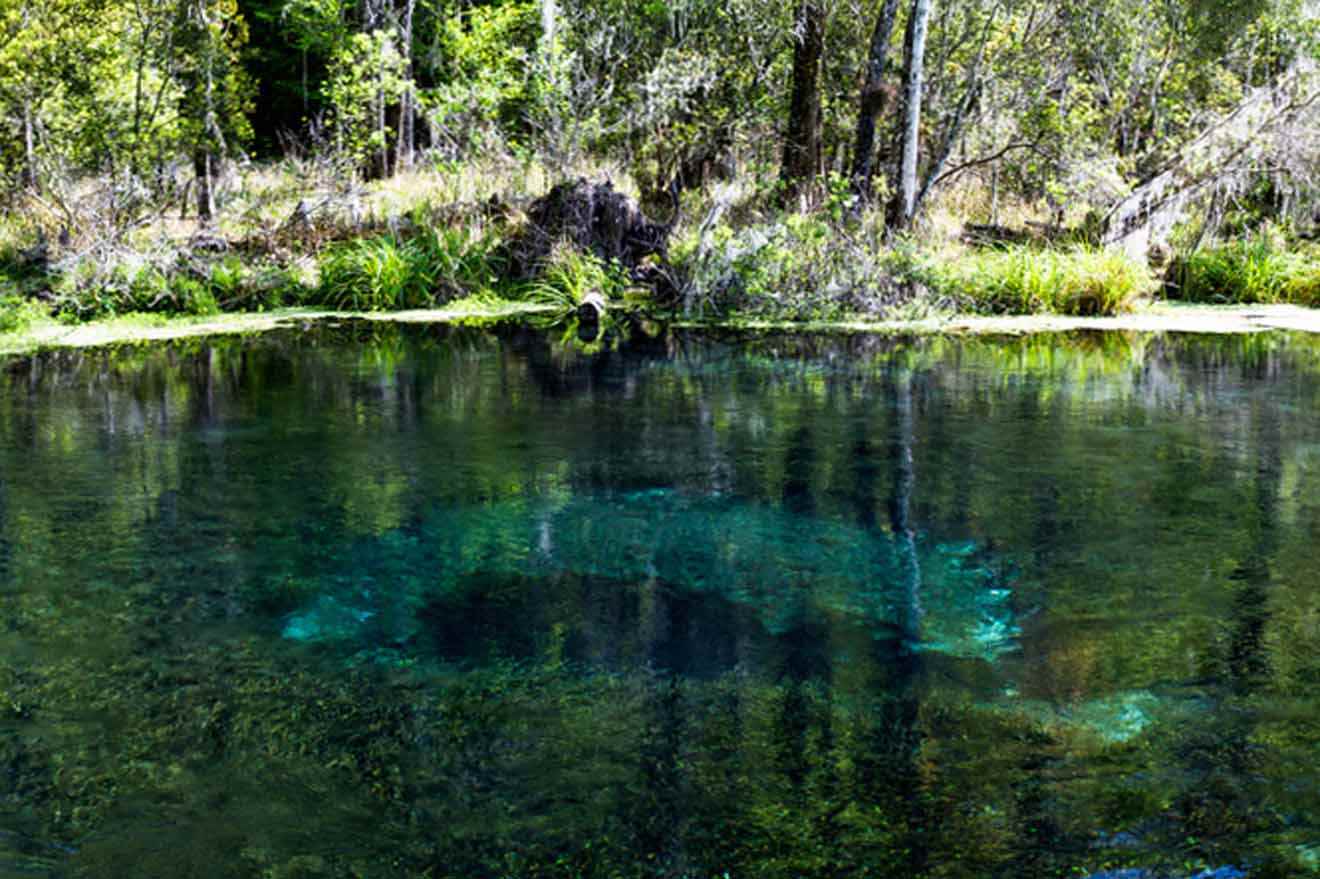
1162, 317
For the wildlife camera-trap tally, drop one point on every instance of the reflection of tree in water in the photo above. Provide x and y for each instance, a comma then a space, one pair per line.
1224, 805
4, 541
903, 715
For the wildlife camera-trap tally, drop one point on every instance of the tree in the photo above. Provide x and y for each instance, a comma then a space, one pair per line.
905, 204
51, 57
213, 97
872, 100
802, 140
367, 75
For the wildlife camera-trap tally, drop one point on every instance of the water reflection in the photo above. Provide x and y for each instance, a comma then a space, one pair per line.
492, 604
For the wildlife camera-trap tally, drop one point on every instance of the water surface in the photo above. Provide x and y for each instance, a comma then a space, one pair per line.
387, 602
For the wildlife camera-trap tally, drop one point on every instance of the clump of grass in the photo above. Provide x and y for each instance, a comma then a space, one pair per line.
374, 274
17, 313
1025, 280
388, 272
569, 276
1258, 271
460, 261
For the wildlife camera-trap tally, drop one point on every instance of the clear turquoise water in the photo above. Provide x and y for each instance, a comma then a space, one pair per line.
387, 602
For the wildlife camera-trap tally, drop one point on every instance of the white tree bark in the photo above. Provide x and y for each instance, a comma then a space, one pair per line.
914, 84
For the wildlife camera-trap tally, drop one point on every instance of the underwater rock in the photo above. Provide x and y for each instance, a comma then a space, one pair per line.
1114, 719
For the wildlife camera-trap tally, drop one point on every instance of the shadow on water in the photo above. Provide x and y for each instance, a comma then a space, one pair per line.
365, 600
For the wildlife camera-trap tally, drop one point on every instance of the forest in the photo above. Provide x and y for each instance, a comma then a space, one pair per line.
814, 160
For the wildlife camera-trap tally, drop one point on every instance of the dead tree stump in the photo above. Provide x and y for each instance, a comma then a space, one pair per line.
595, 218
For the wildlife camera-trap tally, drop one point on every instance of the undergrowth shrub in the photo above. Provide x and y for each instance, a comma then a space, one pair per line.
1027, 280
805, 268
105, 284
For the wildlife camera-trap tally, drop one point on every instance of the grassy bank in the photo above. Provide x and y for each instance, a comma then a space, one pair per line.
46, 334
439, 238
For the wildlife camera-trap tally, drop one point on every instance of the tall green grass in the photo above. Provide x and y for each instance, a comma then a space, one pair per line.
1253, 272
387, 272
374, 274
1027, 280
570, 276
18, 313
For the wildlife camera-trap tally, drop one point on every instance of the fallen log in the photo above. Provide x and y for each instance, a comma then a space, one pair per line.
1231, 146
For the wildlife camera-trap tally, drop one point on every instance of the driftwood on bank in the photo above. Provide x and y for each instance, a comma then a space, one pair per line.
1230, 147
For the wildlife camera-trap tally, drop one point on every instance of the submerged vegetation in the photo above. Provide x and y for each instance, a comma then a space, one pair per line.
293, 671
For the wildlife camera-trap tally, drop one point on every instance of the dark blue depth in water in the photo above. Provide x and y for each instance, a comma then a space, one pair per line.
388, 602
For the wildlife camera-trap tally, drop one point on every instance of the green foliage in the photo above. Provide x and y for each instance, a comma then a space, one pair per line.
483, 90
1027, 280
460, 260
367, 73
215, 92
1259, 270
387, 272
374, 274
17, 313
569, 276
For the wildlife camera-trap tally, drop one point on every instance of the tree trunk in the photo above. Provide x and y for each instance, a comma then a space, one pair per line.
900, 511
382, 125
204, 170
210, 143
802, 142
403, 156
549, 24
872, 100
29, 175
905, 203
